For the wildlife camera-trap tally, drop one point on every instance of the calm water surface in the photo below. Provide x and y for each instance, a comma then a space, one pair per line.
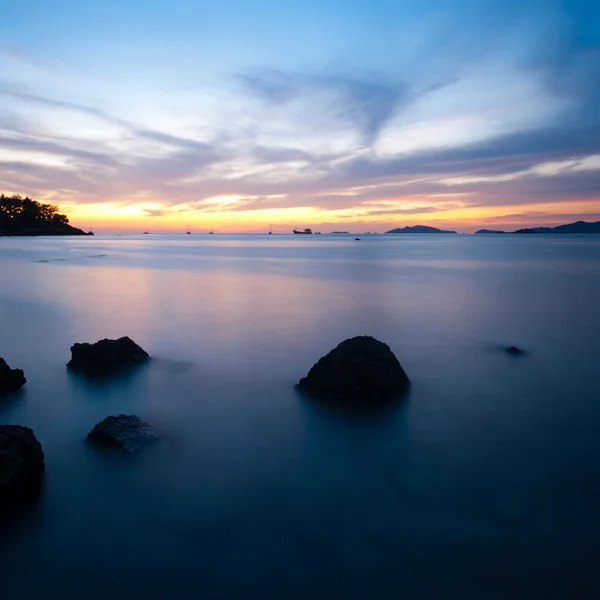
483, 483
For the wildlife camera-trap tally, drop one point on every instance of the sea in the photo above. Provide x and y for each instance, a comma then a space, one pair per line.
482, 483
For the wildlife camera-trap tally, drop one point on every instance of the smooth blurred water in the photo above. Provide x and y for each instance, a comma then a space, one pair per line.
483, 483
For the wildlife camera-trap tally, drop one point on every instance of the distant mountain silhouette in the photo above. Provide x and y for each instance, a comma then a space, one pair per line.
24, 216
578, 227
535, 230
419, 229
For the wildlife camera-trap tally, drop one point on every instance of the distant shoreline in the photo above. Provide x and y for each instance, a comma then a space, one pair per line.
135, 234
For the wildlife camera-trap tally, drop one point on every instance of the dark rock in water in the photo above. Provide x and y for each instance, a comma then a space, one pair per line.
125, 432
106, 356
360, 370
357, 239
10, 379
21, 466
514, 350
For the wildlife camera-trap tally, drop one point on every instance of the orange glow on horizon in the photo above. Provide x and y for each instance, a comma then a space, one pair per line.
115, 218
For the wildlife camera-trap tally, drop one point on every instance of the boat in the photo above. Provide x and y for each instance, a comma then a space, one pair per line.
188, 232
146, 233
304, 232
211, 232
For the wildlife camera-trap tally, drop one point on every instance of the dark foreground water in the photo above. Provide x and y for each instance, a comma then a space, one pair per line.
483, 484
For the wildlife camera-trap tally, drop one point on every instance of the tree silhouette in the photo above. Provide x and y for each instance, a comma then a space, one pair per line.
20, 216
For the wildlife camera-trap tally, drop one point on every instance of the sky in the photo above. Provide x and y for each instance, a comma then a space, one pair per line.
240, 116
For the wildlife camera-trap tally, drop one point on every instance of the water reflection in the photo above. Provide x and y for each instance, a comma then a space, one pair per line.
480, 469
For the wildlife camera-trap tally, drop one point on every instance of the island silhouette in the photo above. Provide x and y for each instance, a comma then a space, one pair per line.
24, 216
419, 229
577, 227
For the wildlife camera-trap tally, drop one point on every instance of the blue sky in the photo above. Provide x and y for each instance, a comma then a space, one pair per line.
239, 113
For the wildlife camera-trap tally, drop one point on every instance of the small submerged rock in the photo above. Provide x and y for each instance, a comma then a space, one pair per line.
10, 379
123, 432
360, 370
106, 356
514, 350
21, 466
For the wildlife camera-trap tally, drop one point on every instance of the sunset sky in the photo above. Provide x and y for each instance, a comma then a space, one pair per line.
238, 115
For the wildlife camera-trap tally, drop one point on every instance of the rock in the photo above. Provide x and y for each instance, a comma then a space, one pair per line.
357, 239
106, 356
125, 432
10, 379
514, 350
360, 370
21, 466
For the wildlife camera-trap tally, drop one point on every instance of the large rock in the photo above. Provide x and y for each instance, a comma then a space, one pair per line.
106, 356
361, 370
124, 432
21, 466
10, 379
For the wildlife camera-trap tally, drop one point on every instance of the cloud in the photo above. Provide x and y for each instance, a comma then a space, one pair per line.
366, 103
155, 212
423, 210
42, 147
131, 128
544, 169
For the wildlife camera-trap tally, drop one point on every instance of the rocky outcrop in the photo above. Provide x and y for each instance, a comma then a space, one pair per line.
10, 379
21, 466
360, 370
124, 432
106, 357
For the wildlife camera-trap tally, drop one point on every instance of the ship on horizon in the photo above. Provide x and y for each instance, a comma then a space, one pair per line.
306, 231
